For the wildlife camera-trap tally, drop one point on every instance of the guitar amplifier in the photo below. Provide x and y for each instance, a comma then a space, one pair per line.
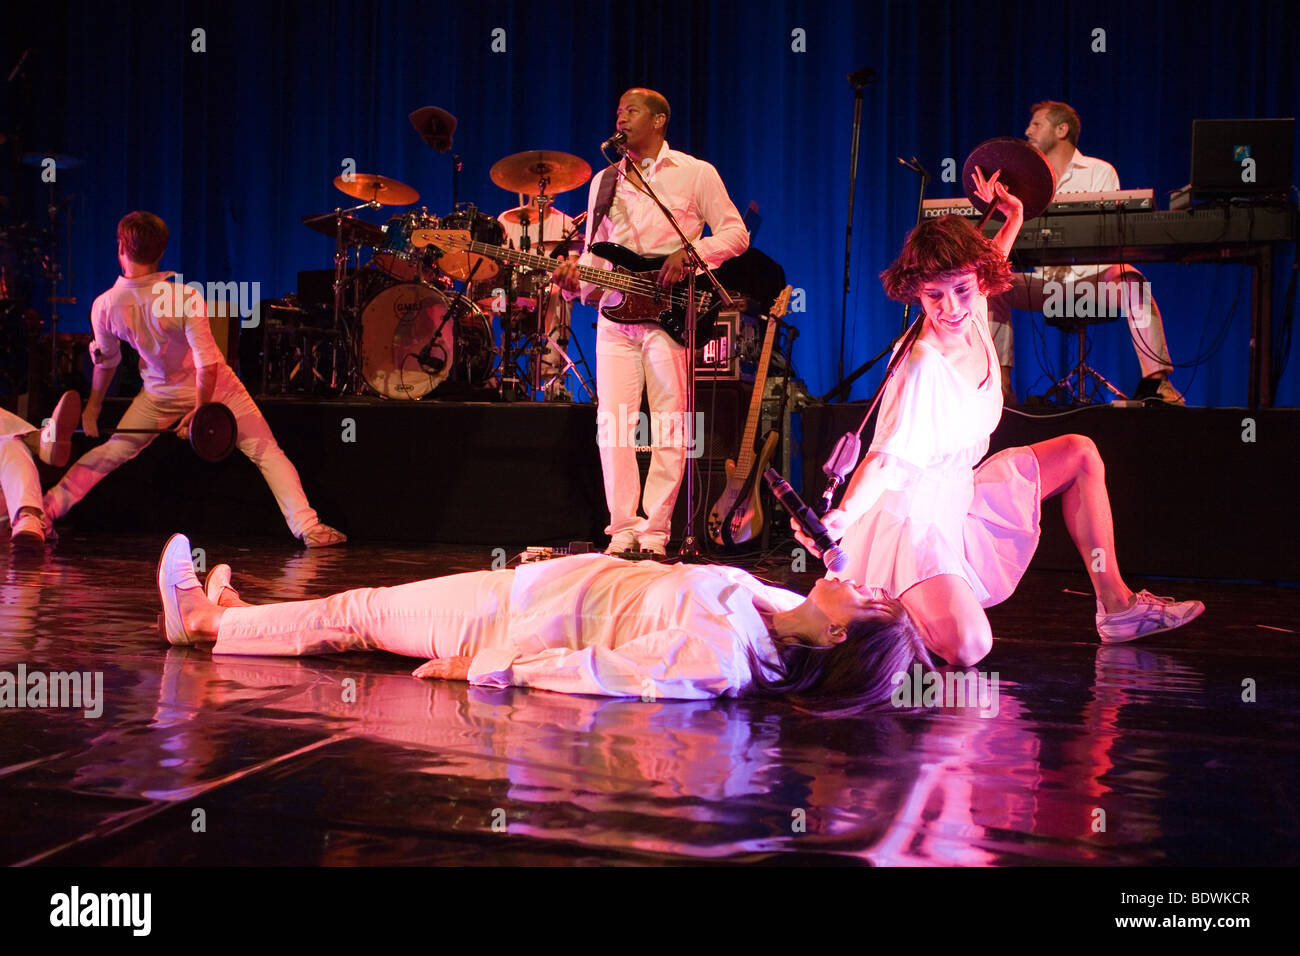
732, 354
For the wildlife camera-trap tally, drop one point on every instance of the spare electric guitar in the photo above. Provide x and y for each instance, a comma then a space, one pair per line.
737, 515
645, 301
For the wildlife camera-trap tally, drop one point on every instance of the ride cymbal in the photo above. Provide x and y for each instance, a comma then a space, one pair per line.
539, 170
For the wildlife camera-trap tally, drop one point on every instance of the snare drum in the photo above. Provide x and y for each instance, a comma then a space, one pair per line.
401, 322
481, 228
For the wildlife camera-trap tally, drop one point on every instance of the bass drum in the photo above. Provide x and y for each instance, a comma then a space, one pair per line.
402, 321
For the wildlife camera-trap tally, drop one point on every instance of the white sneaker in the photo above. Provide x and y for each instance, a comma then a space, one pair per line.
56, 435
656, 544
622, 542
1166, 392
1147, 615
175, 574
28, 533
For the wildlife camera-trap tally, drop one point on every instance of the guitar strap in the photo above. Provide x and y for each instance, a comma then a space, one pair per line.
604, 199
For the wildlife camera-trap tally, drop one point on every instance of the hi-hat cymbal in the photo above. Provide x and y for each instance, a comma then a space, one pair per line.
356, 232
1025, 172
60, 161
373, 188
523, 172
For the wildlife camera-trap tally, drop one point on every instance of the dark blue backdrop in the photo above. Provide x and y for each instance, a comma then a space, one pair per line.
234, 145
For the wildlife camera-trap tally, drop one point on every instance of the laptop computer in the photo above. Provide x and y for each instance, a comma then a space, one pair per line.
1249, 158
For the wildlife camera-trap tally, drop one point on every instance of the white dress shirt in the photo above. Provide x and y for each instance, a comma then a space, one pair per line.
691, 188
1084, 174
596, 624
167, 325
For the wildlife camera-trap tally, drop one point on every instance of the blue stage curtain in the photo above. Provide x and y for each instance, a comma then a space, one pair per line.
232, 146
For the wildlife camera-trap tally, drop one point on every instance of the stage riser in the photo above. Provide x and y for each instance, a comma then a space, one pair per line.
483, 474
1190, 497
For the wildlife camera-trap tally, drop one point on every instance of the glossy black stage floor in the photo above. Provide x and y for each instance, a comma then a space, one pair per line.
1087, 754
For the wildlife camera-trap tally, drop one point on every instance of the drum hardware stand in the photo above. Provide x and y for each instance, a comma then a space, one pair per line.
341, 256
690, 550
54, 275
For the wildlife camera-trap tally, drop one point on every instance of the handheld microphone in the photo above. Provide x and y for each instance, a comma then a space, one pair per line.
617, 140
833, 555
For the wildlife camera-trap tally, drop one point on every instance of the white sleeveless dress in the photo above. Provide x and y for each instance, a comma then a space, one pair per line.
979, 523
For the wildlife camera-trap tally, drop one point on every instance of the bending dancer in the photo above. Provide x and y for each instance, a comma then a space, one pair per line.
918, 519
182, 369
588, 624
629, 357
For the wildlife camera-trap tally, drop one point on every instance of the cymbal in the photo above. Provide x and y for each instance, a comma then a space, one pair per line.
522, 172
60, 161
374, 188
1025, 172
356, 232
516, 215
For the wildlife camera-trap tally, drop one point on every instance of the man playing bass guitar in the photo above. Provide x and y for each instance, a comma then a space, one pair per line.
630, 354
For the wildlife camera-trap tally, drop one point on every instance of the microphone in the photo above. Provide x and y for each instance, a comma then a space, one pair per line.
843, 459
833, 555
617, 140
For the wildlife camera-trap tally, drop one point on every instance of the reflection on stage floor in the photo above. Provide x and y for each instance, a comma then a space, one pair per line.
1090, 754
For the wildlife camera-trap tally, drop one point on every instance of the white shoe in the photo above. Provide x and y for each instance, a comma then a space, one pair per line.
56, 435
622, 542
323, 536
218, 581
28, 533
656, 544
175, 573
1147, 615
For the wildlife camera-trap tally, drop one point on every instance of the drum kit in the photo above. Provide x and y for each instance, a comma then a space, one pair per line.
415, 318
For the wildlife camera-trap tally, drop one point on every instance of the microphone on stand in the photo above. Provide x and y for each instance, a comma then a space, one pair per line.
616, 141
833, 555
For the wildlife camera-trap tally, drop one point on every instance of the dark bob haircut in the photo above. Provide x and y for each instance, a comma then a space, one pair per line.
942, 249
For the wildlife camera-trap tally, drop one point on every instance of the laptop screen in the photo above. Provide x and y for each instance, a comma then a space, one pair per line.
1242, 157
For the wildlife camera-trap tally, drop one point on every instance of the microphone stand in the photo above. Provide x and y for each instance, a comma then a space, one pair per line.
859, 82
841, 390
689, 550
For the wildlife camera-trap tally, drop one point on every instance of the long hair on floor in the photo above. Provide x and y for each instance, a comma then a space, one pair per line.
853, 677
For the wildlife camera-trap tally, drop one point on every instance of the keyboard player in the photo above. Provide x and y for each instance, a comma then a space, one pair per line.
1054, 129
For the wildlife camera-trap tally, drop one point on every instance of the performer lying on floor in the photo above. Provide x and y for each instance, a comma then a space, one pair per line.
916, 520
588, 624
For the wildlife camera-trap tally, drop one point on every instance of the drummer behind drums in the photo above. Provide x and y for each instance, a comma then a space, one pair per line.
182, 368
558, 310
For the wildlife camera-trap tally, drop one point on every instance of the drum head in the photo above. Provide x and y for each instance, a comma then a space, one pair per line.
213, 431
397, 325
461, 265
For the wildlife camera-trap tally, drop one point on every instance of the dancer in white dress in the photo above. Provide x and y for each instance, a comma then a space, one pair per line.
916, 520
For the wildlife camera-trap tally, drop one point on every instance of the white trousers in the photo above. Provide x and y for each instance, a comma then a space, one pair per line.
450, 616
629, 358
152, 411
1146, 327
20, 483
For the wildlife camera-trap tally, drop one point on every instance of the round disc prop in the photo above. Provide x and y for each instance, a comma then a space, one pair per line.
213, 432
1025, 172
